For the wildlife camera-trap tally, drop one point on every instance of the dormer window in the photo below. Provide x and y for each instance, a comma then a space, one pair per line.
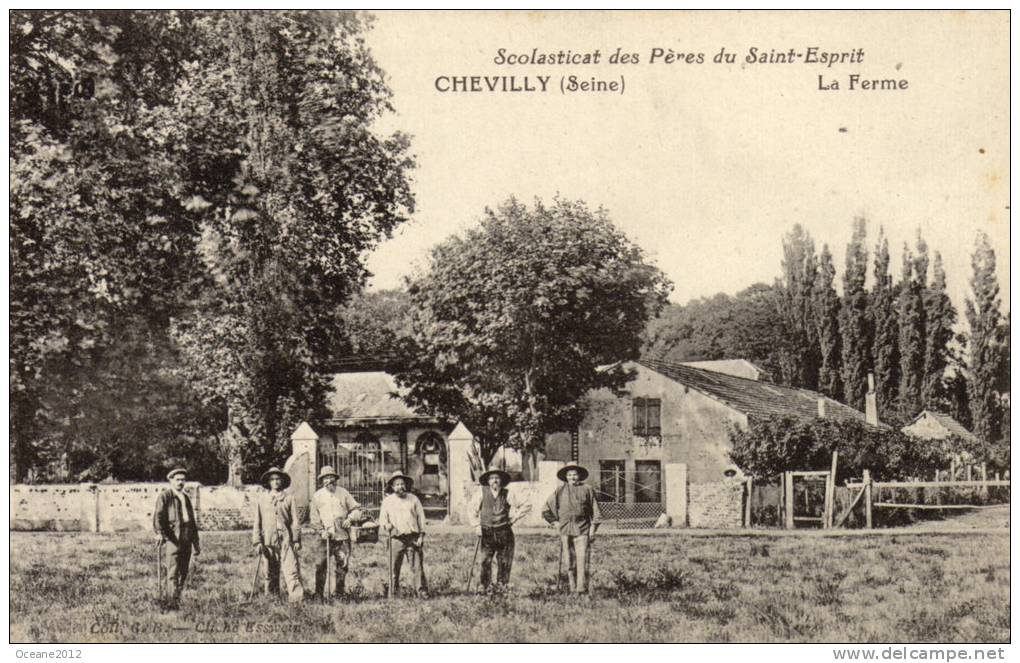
647, 417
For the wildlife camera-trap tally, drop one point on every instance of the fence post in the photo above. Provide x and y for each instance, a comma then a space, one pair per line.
675, 480
952, 470
830, 493
788, 498
867, 499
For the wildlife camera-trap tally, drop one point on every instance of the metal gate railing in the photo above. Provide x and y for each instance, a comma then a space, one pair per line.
362, 470
629, 499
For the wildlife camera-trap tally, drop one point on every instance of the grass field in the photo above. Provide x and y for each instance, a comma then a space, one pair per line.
74, 587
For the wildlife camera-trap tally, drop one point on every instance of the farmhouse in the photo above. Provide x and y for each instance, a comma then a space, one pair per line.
677, 414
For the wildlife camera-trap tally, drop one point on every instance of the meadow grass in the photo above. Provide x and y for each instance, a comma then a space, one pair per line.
77, 587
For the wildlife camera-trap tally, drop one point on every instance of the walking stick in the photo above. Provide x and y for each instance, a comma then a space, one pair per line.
559, 567
389, 554
471, 569
330, 570
255, 578
587, 567
159, 571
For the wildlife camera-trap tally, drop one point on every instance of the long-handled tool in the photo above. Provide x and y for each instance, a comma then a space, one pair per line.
159, 571
390, 592
471, 569
255, 577
588, 570
330, 588
559, 567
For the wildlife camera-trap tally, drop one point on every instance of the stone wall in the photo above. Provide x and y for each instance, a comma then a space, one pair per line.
716, 505
123, 506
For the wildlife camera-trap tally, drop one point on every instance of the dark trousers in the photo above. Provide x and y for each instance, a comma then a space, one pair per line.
341, 552
498, 542
405, 545
178, 561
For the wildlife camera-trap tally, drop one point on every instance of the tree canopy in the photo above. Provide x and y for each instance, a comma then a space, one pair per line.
517, 318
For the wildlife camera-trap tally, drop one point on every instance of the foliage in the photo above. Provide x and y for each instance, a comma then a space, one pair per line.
746, 325
885, 349
854, 325
376, 323
774, 444
520, 316
800, 356
940, 317
826, 316
913, 285
987, 343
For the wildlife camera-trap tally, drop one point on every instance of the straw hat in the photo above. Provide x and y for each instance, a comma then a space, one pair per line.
327, 471
174, 472
275, 471
408, 481
484, 479
582, 473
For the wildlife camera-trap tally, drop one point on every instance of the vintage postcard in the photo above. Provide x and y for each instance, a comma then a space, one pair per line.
510, 327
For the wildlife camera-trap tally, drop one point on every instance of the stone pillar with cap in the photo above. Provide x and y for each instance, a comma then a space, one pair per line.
301, 466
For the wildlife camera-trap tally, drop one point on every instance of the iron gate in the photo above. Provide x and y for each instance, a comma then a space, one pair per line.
361, 465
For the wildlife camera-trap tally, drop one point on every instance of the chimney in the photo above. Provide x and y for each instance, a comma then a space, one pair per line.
871, 402
821, 407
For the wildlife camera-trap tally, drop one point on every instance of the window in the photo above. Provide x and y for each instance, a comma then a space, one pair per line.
647, 417
647, 481
612, 481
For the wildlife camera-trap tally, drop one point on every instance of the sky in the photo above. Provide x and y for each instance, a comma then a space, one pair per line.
706, 166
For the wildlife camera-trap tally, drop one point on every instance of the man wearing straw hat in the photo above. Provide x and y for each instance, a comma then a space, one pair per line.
575, 511
493, 512
330, 514
403, 518
173, 519
276, 533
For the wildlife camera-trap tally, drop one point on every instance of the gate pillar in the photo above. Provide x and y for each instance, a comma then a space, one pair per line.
301, 466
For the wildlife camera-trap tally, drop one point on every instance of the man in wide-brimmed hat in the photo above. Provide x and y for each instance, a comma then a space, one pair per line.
493, 511
574, 510
173, 519
403, 518
276, 533
330, 514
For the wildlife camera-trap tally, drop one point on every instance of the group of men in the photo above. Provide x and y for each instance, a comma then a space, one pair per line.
276, 530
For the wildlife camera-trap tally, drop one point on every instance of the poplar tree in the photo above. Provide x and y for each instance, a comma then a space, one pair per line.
800, 358
912, 332
853, 320
885, 347
985, 320
940, 316
826, 303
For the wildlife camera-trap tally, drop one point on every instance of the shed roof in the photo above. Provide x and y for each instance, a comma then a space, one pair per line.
368, 395
952, 426
753, 397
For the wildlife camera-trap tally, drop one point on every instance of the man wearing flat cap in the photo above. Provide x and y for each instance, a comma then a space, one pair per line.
330, 514
174, 522
403, 518
573, 509
276, 534
493, 511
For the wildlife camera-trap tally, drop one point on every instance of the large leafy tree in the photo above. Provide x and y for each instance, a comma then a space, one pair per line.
290, 187
99, 239
519, 317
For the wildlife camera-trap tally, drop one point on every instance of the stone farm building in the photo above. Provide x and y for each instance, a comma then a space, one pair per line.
932, 425
679, 414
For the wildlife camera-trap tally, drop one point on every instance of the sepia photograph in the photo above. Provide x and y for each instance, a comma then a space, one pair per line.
545, 326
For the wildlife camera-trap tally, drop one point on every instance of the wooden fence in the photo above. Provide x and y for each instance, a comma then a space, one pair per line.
812, 498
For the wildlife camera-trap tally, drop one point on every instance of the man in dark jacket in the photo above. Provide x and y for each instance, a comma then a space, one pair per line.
574, 510
176, 528
493, 512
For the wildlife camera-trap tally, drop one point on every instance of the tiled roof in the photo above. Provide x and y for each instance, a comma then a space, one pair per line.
368, 395
752, 397
952, 425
